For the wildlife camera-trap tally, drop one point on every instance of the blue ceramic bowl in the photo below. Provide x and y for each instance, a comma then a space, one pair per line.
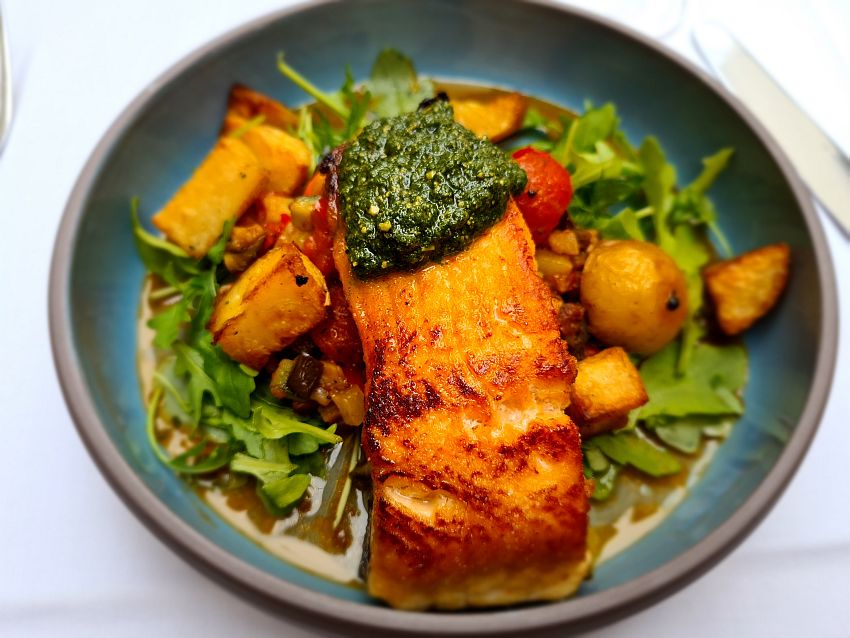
562, 56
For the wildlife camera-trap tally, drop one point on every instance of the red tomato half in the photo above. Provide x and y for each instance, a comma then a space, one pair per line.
547, 193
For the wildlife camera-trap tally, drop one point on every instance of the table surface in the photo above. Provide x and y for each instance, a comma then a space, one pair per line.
75, 562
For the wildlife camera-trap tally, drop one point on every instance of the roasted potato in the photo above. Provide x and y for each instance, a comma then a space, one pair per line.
606, 389
492, 116
635, 295
286, 157
279, 297
744, 289
247, 104
228, 180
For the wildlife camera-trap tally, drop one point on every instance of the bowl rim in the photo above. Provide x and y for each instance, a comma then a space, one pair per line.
318, 608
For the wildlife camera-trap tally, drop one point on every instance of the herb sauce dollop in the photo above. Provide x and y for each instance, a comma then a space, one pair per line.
418, 187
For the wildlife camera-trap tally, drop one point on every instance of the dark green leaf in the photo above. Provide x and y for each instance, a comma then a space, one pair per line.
629, 448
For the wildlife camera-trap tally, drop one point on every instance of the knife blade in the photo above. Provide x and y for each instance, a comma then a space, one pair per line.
820, 162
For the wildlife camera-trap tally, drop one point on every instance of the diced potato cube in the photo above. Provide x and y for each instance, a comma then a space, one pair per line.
493, 116
606, 389
285, 156
564, 242
744, 289
221, 188
279, 297
247, 104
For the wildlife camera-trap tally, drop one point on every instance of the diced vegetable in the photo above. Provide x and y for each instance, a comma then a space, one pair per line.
635, 295
244, 245
547, 192
337, 335
606, 389
744, 289
492, 116
556, 270
281, 296
304, 376
228, 180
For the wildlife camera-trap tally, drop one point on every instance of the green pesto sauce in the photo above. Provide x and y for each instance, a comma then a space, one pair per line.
417, 187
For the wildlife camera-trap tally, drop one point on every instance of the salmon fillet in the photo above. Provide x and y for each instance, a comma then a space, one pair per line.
479, 494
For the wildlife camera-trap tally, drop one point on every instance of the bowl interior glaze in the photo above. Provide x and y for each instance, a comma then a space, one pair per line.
558, 56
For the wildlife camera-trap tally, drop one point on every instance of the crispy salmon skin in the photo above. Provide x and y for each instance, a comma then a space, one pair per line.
479, 494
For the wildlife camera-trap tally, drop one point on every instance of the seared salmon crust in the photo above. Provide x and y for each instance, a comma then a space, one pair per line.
479, 493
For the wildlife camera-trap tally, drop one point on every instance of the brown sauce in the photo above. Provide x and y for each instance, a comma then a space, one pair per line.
326, 533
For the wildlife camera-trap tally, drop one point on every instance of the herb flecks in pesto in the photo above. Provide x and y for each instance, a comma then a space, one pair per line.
417, 187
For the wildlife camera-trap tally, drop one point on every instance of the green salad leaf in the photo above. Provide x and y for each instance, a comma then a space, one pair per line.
710, 386
395, 86
632, 448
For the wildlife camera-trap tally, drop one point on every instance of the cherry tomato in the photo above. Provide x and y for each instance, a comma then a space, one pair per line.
319, 245
547, 193
337, 336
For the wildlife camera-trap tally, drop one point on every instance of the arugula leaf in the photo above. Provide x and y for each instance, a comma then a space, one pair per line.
275, 422
266, 471
603, 483
190, 364
630, 448
659, 182
233, 386
680, 435
333, 101
158, 255
395, 86
710, 386
594, 126
167, 323
286, 492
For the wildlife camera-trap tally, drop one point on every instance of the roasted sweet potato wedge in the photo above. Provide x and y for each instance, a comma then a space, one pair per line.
279, 297
492, 116
606, 389
744, 289
228, 180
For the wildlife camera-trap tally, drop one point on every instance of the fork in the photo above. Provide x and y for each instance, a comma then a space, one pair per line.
5, 85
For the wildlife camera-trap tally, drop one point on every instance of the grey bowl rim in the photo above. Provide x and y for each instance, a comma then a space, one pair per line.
308, 606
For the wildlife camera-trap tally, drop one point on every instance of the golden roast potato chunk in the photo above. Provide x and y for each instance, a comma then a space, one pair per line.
247, 104
228, 180
286, 157
635, 295
606, 389
744, 289
493, 116
279, 297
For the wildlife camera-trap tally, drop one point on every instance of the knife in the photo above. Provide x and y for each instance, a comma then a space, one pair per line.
818, 160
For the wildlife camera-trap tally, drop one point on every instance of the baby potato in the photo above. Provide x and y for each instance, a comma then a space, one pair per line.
635, 295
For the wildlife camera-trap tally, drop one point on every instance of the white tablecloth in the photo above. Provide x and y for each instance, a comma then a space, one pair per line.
75, 562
